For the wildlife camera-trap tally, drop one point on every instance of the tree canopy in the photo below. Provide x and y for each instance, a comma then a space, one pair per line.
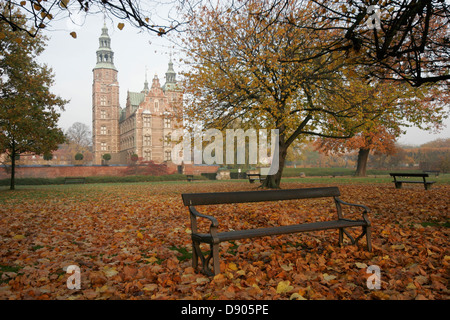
389, 107
28, 110
248, 67
405, 40
273, 74
80, 135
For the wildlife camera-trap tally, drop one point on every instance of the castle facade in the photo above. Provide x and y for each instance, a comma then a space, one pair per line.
144, 126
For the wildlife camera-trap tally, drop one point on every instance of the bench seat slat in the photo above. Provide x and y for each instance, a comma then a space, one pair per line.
406, 181
272, 231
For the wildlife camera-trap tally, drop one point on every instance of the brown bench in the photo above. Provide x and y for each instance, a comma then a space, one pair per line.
255, 176
214, 237
435, 172
399, 183
70, 180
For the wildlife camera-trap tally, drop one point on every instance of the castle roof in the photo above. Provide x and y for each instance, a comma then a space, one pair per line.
105, 55
136, 98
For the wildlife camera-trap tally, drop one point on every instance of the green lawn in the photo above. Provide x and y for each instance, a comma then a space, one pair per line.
312, 175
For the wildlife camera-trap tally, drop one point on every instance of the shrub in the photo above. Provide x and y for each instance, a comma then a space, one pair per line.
147, 168
48, 156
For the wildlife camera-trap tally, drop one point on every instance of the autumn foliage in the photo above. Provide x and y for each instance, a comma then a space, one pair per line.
132, 241
272, 70
147, 168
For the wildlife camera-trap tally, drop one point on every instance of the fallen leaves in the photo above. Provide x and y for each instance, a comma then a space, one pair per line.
328, 277
284, 287
133, 242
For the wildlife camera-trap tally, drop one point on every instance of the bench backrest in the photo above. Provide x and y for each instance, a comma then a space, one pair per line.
409, 174
193, 199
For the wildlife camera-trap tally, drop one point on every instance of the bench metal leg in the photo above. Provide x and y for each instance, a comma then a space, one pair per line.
205, 259
369, 238
215, 257
366, 231
341, 237
195, 256
348, 235
398, 185
427, 186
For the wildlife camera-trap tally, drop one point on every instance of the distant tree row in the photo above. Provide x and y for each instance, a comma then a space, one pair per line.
434, 155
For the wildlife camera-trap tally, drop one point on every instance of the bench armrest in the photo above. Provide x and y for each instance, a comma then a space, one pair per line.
366, 209
195, 213
364, 213
213, 227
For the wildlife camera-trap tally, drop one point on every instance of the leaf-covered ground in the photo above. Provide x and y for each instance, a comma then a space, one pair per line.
132, 241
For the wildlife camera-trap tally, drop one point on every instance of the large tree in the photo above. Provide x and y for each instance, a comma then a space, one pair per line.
247, 67
28, 110
388, 108
273, 74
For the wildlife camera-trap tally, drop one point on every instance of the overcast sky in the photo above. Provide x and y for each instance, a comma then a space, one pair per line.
72, 61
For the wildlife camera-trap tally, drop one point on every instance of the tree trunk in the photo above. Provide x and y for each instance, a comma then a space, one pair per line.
363, 156
13, 168
273, 181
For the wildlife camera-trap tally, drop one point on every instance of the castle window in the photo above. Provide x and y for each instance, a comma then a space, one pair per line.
156, 105
103, 100
103, 130
147, 121
167, 122
103, 146
147, 155
167, 155
147, 140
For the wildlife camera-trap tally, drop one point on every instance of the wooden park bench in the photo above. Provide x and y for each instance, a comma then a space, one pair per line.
398, 183
435, 172
214, 237
70, 180
190, 177
252, 177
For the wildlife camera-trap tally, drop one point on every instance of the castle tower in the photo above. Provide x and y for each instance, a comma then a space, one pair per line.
173, 91
105, 102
